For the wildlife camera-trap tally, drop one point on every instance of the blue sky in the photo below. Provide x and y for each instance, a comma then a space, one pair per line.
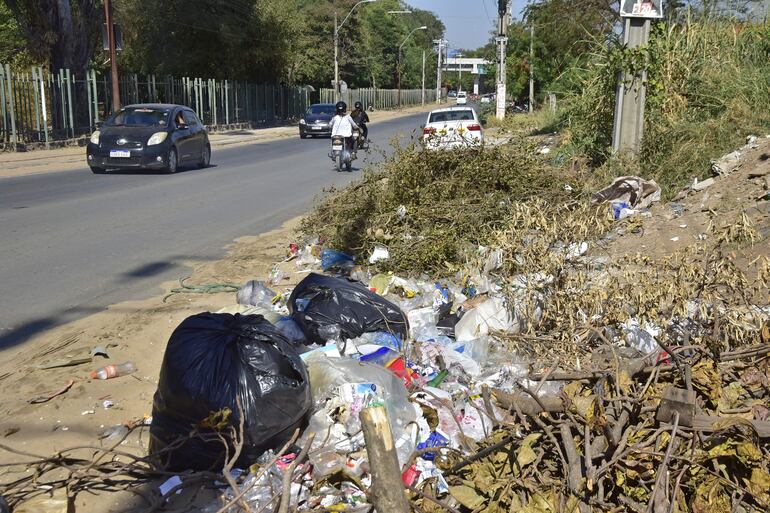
467, 22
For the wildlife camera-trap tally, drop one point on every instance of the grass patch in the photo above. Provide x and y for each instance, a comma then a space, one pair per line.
708, 88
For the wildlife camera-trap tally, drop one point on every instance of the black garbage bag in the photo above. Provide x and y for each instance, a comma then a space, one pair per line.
212, 361
325, 307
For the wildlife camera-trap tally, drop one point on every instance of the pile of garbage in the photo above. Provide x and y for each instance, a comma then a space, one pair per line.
489, 406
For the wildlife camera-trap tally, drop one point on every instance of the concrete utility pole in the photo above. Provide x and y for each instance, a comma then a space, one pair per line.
113, 56
631, 93
502, 76
532, 66
423, 77
440, 51
460, 69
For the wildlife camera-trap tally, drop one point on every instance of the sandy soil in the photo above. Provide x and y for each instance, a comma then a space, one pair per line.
723, 204
134, 331
65, 159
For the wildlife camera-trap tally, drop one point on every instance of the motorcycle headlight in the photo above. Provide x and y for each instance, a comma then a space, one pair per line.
157, 138
302, 122
95, 137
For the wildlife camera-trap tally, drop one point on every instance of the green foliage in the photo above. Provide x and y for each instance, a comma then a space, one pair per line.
12, 43
708, 83
58, 33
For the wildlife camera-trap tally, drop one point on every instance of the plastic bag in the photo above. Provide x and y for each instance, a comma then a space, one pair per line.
212, 363
491, 315
320, 303
332, 259
327, 375
255, 293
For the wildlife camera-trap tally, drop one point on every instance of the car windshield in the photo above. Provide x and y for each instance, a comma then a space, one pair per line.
461, 95
451, 115
321, 109
140, 117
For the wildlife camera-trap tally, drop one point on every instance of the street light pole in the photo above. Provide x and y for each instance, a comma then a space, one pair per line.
337, 45
398, 63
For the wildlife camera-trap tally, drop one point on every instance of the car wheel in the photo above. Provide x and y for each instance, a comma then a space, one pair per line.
172, 161
303, 136
205, 157
98, 170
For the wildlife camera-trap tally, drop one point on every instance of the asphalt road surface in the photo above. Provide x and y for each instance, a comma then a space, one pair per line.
74, 243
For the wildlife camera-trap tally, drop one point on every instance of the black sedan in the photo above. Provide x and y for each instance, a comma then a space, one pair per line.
317, 120
149, 136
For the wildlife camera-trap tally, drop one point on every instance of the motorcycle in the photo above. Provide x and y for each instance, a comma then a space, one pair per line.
344, 150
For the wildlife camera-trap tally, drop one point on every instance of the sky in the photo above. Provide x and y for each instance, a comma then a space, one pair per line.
467, 22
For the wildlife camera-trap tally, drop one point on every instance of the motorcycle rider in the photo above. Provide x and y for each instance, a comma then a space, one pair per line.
361, 118
342, 124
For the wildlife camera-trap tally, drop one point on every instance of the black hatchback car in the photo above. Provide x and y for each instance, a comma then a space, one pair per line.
149, 136
317, 120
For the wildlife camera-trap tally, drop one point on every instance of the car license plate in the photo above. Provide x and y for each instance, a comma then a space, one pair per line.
120, 154
337, 147
317, 128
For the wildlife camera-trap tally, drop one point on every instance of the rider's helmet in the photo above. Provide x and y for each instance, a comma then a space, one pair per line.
341, 108
359, 106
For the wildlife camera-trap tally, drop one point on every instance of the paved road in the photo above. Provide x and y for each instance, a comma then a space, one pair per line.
74, 243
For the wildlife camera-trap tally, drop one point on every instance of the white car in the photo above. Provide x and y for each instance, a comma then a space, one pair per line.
462, 98
487, 98
452, 127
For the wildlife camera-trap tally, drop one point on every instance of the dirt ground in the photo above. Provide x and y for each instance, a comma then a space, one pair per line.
138, 331
134, 331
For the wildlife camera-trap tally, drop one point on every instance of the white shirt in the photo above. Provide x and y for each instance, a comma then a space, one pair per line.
343, 126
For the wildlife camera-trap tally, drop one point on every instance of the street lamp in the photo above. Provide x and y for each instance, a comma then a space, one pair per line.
398, 63
337, 47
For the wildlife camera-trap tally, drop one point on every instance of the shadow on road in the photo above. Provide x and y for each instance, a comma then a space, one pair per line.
10, 337
138, 171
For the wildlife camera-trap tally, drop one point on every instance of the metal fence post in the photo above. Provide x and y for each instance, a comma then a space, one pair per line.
45, 107
11, 111
36, 95
3, 119
227, 104
95, 96
69, 101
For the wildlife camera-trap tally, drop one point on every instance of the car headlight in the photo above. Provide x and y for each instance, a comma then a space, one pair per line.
157, 138
302, 122
95, 137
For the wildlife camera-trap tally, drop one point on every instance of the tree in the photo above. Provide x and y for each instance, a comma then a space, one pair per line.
13, 47
61, 33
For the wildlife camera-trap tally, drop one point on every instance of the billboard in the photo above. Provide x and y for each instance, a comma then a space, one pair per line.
641, 8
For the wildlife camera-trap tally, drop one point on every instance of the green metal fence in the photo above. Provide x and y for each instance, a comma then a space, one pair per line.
38, 106
380, 98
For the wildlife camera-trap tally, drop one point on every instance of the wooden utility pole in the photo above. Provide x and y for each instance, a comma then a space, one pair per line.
387, 488
113, 55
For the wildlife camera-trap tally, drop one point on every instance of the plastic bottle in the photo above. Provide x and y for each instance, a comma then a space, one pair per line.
113, 371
